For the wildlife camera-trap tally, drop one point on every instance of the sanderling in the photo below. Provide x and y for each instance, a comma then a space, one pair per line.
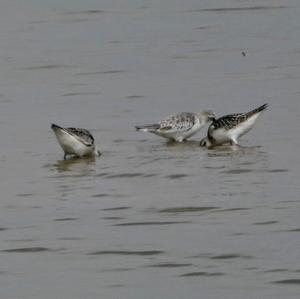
75, 141
229, 128
179, 127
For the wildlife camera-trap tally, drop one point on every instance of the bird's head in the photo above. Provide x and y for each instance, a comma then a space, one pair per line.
207, 116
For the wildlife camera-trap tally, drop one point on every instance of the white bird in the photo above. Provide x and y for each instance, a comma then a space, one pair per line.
229, 128
75, 141
179, 127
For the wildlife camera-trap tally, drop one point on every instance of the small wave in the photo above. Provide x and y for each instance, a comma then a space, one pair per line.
287, 281
186, 209
201, 274
150, 223
116, 208
66, 219
230, 256
233, 9
169, 265
127, 252
176, 176
27, 250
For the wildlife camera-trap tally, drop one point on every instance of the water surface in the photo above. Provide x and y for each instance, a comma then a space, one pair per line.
148, 219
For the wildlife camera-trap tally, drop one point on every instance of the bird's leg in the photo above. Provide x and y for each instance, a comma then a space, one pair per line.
203, 142
233, 141
180, 139
235, 145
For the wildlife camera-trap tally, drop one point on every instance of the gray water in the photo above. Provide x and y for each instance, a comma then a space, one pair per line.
148, 219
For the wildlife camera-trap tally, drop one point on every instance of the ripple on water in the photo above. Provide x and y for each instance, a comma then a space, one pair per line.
118, 270
134, 96
237, 171
266, 222
149, 223
46, 67
231, 210
113, 218
187, 209
202, 273
111, 195
276, 270
70, 94
287, 281
127, 252
241, 9
25, 194
116, 208
230, 256
89, 12
227, 256
107, 72
278, 170
169, 265
150, 175
176, 176
66, 219
28, 250
125, 175
102, 174
101, 195
202, 27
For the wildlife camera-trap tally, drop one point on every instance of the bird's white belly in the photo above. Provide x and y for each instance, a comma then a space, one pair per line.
221, 136
71, 145
245, 126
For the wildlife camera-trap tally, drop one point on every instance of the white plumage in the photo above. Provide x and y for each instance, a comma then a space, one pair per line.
229, 128
75, 141
179, 127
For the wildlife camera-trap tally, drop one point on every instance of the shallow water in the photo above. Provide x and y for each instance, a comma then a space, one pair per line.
148, 219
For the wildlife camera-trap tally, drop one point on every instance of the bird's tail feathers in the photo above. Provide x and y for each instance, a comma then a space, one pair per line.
258, 109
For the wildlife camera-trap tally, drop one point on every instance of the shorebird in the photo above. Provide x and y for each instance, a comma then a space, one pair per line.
75, 141
229, 128
179, 127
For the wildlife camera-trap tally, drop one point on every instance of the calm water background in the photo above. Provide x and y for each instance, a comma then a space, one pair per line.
148, 219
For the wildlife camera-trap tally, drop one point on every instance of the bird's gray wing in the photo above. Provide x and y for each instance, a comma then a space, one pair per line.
82, 135
179, 122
